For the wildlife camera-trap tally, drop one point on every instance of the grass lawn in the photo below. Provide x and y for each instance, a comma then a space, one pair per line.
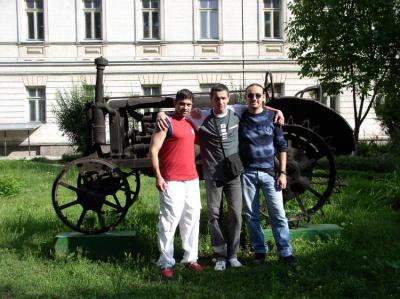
364, 262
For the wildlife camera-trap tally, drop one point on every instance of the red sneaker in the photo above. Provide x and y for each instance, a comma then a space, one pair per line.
194, 266
167, 272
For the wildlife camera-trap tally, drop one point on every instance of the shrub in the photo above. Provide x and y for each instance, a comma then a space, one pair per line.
388, 190
9, 185
70, 114
383, 163
387, 109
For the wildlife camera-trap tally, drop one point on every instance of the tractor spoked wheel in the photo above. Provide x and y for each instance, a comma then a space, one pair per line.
91, 195
311, 173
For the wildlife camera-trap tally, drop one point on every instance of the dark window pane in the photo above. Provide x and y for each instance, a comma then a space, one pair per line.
155, 4
267, 3
42, 110
146, 3
146, 91
31, 26
29, 3
97, 24
88, 3
267, 23
277, 24
32, 111
203, 24
40, 25
276, 4
146, 32
214, 24
156, 25
97, 3
204, 3
214, 4
88, 25
156, 90
31, 93
41, 93
39, 4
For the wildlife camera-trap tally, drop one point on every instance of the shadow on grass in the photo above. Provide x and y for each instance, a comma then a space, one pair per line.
31, 235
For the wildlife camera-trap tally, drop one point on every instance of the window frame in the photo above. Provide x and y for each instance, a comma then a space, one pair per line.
37, 101
281, 87
282, 16
204, 86
209, 11
35, 11
197, 23
92, 10
331, 101
151, 86
150, 11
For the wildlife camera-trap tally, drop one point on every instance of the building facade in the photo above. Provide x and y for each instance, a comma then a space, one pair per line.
153, 47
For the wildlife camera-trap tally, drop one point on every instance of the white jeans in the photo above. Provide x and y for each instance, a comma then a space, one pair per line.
179, 204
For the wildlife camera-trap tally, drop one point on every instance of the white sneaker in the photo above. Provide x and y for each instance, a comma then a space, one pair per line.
235, 263
220, 266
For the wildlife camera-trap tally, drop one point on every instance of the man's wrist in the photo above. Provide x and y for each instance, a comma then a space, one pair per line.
283, 172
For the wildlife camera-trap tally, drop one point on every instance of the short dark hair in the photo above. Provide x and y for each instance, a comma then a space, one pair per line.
218, 87
184, 94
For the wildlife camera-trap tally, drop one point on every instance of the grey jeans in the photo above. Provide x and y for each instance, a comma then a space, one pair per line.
224, 249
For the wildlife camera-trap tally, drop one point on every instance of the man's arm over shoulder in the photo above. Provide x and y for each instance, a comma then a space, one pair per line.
239, 109
279, 117
197, 117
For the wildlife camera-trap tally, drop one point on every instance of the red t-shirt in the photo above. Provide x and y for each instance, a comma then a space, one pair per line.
177, 157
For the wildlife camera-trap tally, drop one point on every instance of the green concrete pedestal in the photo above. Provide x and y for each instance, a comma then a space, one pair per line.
100, 246
309, 232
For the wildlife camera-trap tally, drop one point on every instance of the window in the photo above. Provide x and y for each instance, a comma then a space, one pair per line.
331, 101
206, 87
34, 11
279, 90
272, 19
151, 19
37, 104
208, 19
151, 90
92, 12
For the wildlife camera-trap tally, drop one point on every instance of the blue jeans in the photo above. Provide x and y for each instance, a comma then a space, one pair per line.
252, 182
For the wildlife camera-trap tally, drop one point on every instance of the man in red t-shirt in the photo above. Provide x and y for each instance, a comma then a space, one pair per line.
172, 158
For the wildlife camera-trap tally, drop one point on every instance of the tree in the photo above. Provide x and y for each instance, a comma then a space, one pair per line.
70, 114
351, 44
387, 108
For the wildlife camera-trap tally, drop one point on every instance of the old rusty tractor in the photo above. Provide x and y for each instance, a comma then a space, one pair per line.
93, 194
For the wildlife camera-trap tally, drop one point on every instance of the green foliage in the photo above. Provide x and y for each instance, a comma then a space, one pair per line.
387, 190
387, 110
371, 156
70, 114
9, 185
347, 44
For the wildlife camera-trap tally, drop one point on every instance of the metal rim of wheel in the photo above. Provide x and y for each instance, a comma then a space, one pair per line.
92, 195
311, 172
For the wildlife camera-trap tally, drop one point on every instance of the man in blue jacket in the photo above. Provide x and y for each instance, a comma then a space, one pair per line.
259, 137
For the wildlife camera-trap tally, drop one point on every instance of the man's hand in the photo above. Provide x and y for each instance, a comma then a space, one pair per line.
196, 113
282, 181
279, 118
161, 184
162, 121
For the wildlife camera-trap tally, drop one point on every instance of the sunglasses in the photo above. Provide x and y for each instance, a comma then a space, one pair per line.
252, 95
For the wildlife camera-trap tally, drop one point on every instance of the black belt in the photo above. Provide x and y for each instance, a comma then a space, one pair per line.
270, 171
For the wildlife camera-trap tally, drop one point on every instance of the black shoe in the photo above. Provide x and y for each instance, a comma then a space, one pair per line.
259, 258
289, 260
